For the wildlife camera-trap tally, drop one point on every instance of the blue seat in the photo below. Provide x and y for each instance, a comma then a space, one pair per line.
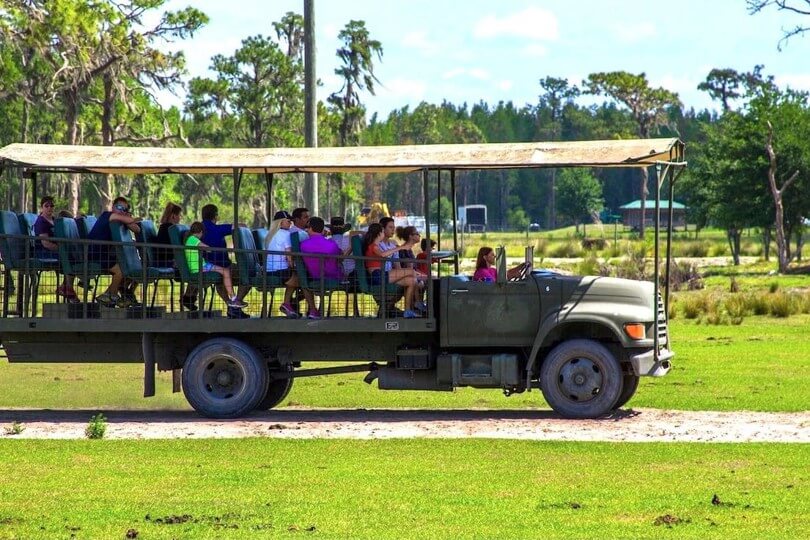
250, 262
73, 257
202, 280
85, 225
17, 251
259, 237
133, 266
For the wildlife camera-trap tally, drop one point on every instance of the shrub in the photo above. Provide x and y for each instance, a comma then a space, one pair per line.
97, 427
782, 305
589, 266
737, 307
693, 305
15, 429
773, 286
692, 248
540, 246
591, 244
567, 250
758, 304
681, 274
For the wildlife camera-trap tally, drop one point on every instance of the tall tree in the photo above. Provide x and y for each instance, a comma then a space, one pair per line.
799, 7
579, 194
648, 107
558, 93
357, 73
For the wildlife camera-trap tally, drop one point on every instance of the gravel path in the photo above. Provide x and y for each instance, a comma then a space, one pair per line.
631, 425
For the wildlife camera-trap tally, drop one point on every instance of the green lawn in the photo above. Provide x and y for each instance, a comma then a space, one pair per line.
259, 488
761, 365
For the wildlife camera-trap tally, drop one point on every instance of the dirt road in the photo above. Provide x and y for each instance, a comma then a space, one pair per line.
632, 425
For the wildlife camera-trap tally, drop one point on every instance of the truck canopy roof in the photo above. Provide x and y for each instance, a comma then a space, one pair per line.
380, 159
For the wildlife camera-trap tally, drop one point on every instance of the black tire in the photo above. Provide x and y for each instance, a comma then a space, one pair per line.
629, 386
277, 391
580, 378
224, 378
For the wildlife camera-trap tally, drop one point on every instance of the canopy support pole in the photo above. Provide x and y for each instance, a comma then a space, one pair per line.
268, 182
439, 208
34, 194
656, 269
455, 219
426, 208
237, 183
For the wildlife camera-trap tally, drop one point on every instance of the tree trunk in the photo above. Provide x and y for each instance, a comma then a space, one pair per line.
733, 235
776, 192
71, 123
644, 193
766, 243
799, 243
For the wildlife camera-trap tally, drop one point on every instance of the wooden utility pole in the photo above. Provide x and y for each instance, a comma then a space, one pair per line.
310, 102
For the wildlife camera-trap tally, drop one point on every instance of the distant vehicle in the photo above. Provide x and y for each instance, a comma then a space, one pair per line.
534, 227
473, 217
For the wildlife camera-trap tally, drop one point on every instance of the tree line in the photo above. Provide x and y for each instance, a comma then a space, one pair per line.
89, 72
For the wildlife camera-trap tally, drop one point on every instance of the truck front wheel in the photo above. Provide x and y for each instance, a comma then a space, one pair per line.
224, 378
580, 378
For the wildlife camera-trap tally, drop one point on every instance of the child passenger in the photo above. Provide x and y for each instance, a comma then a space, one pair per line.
196, 263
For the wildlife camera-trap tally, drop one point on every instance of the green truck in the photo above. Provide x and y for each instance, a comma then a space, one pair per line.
583, 341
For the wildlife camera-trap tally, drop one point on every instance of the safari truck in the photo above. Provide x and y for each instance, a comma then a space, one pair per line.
583, 341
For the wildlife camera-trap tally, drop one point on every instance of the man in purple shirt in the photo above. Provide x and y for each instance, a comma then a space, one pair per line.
317, 243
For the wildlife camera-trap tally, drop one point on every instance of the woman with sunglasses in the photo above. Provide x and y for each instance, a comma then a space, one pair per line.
45, 249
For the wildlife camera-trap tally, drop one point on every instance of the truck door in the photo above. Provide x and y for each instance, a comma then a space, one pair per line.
484, 314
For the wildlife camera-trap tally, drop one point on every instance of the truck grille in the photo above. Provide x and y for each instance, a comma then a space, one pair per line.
661, 323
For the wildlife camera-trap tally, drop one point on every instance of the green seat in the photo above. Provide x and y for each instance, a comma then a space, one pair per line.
202, 280
252, 269
85, 225
259, 237
385, 294
17, 250
133, 266
321, 287
73, 254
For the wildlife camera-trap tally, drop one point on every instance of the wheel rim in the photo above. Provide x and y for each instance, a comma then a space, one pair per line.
223, 378
580, 379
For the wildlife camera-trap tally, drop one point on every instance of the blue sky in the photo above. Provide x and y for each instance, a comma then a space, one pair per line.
472, 50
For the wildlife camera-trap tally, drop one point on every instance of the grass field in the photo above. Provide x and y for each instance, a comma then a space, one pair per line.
259, 488
761, 365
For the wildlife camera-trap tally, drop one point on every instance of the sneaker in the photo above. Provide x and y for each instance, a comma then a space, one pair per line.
107, 299
421, 306
236, 303
236, 313
288, 311
314, 315
130, 296
410, 314
188, 303
124, 302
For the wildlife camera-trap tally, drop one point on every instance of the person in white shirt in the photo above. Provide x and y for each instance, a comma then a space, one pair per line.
279, 263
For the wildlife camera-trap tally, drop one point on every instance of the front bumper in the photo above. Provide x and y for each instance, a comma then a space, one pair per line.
645, 364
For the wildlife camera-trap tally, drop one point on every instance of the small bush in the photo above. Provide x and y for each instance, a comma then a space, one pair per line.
540, 246
589, 266
737, 307
693, 306
591, 244
681, 274
566, 250
718, 250
773, 286
15, 428
758, 304
97, 427
782, 305
693, 248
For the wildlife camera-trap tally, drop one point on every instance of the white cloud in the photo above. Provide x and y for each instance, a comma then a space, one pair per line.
533, 23
505, 85
636, 32
535, 50
474, 73
418, 40
796, 81
674, 83
410, 89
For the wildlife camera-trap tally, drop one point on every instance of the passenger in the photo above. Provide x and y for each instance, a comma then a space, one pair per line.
214, 236
65, 214
104, 254
192, 239
164, 257
404, 277
281, 266
388, 242
405, 234
485, 267
45, 249
338, 229
318, 243
300, 220
422, 267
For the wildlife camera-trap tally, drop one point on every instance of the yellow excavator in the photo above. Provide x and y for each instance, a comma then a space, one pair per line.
372, 214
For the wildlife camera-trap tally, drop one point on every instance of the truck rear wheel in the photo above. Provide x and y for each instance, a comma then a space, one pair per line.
224, 378
277, 391
628, 389
580, 378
